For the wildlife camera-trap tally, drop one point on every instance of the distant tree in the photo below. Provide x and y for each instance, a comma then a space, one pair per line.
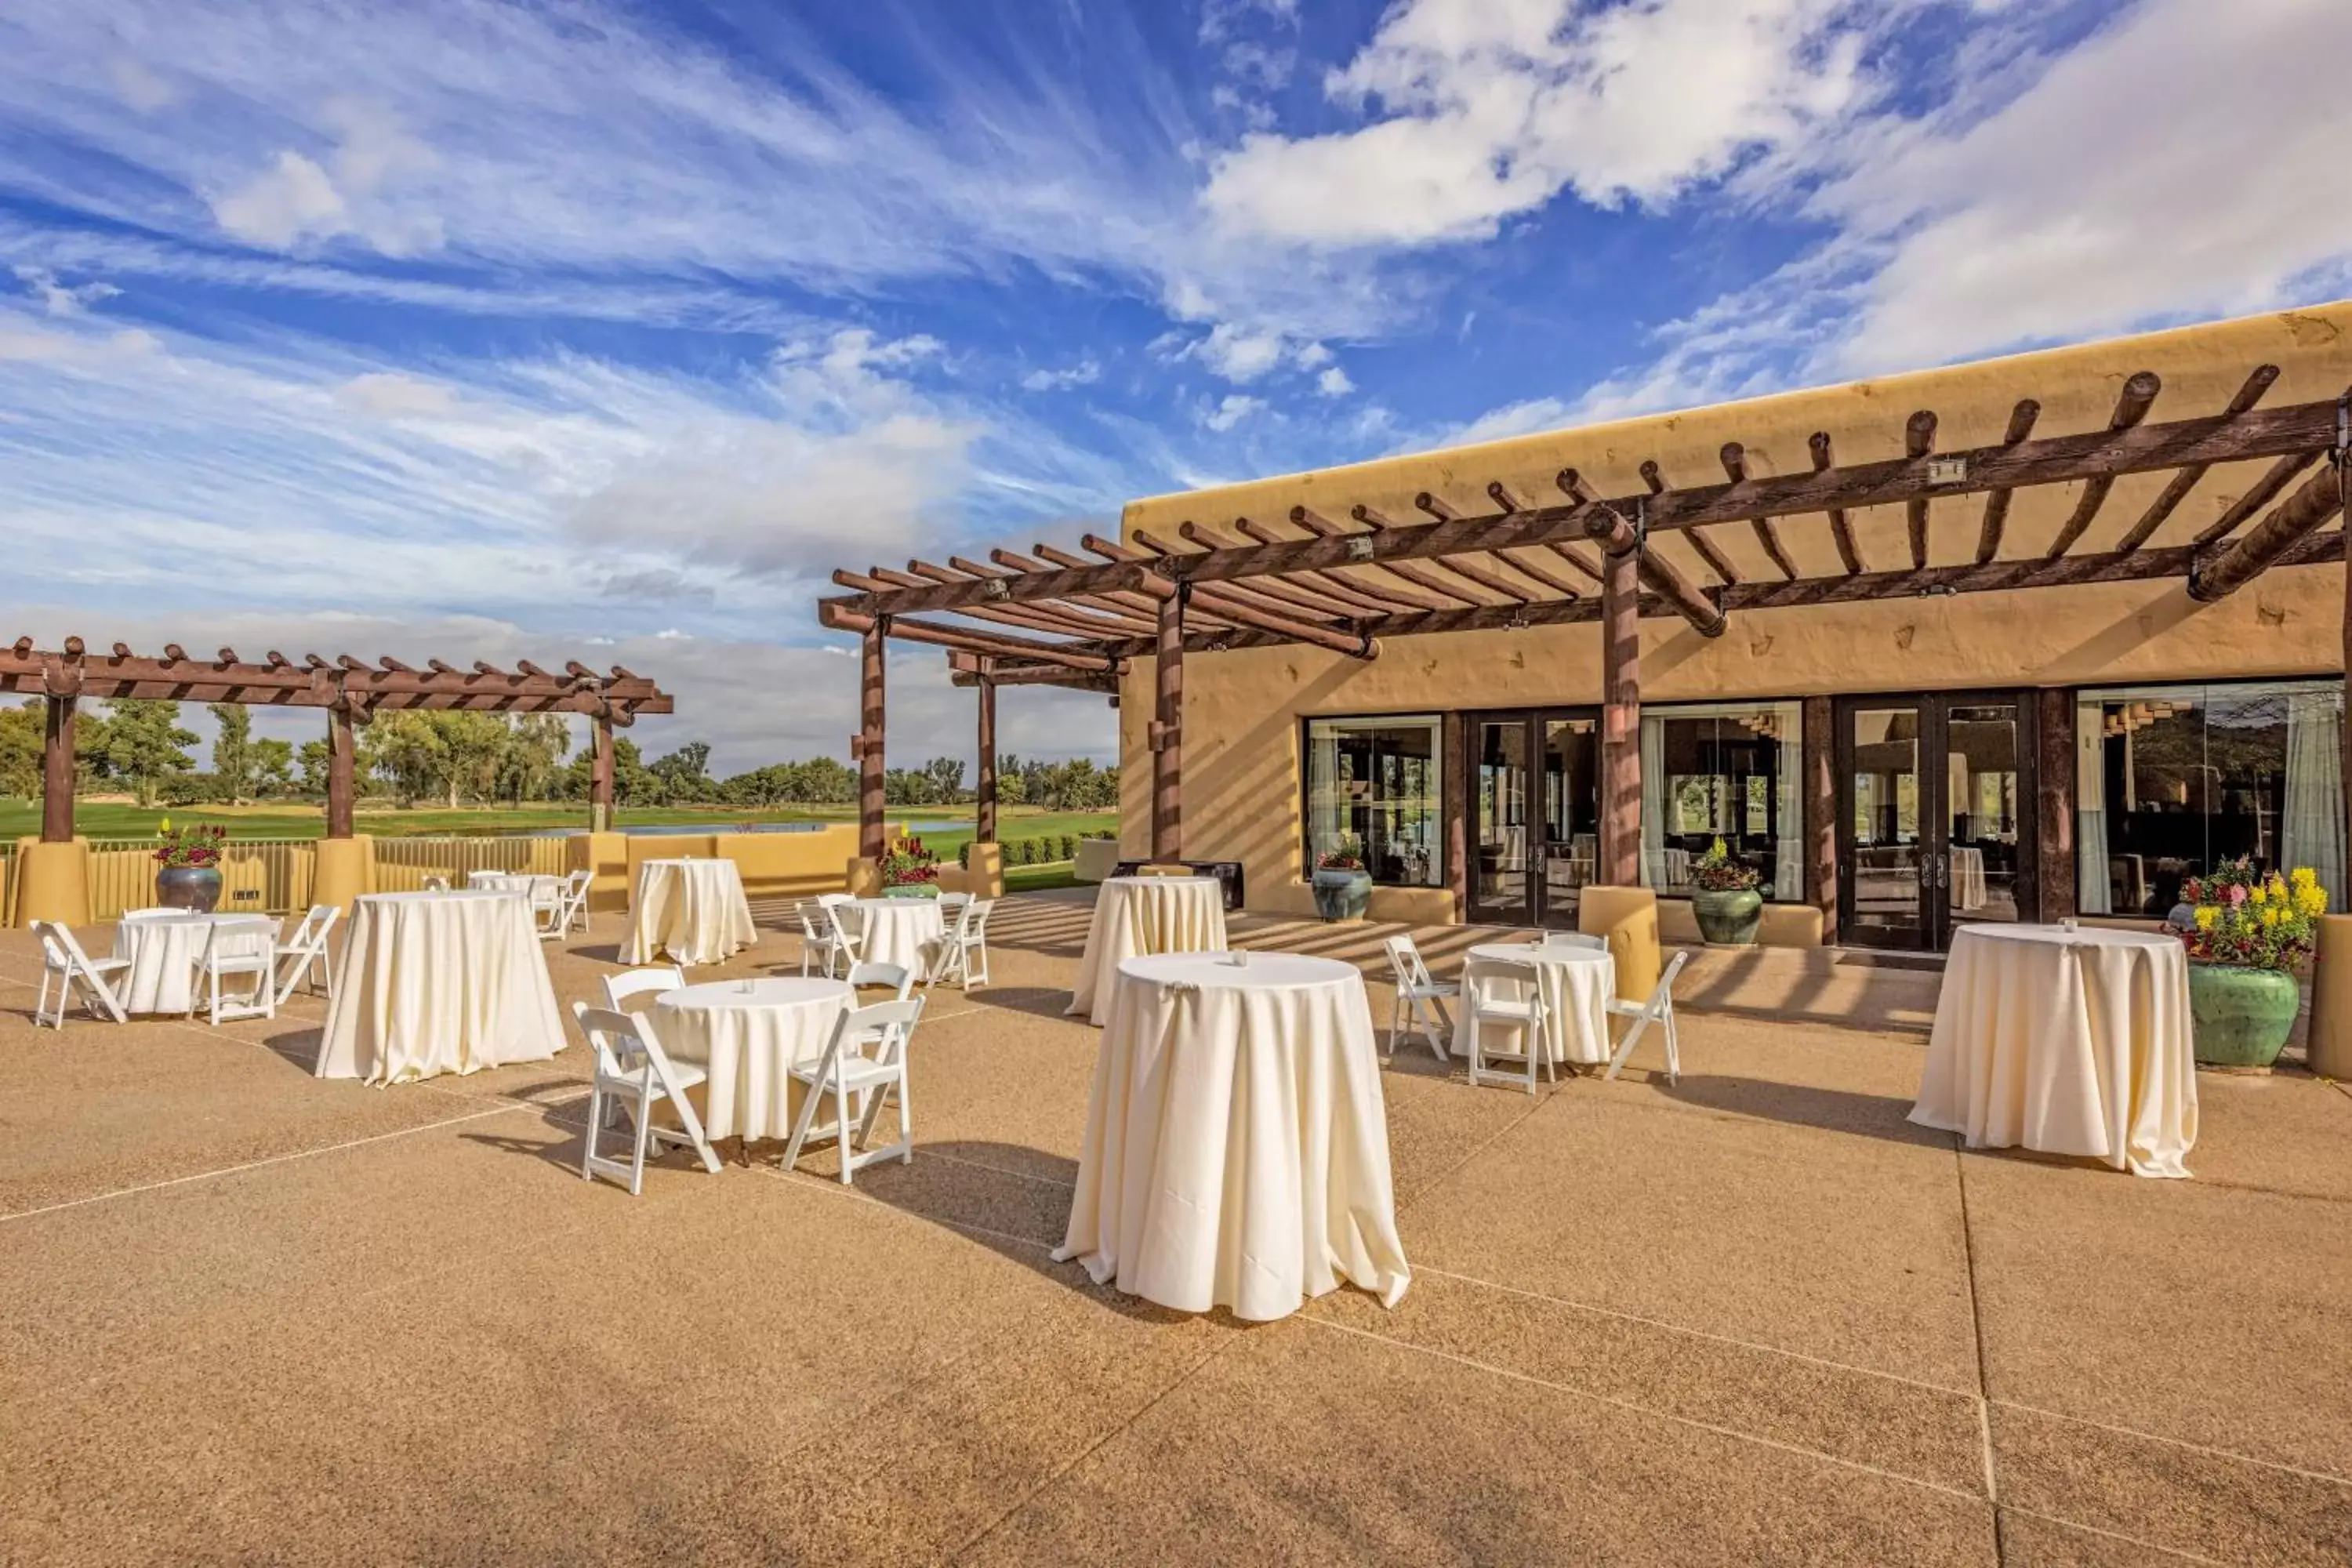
145, 745
947, 778
272, 772
313, 759
1012, 785
684, 773
533, 751
232, 750
21, 743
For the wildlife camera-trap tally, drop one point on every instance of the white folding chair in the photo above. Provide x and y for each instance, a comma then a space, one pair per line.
546, 896
1658, 1009
820, 940
63, 960
619, 988
306, 950
573, 902
228, 953
1417, 997
847, 1069
1481, 979
632, 1070
966, 936
893, 977
840, 913
1575, 938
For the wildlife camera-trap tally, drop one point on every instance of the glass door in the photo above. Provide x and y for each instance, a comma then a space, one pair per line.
1535, 815
1500, 887
1933, 816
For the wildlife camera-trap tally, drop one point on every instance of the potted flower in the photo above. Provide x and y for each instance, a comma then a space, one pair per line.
1725, 899
2248, 932
909, 870
1342, 886
188, 866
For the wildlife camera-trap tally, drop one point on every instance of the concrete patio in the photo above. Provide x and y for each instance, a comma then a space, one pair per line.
249, 1316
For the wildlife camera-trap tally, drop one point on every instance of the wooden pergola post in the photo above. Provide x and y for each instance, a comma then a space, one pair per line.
1167, 733
57, 766
1819, 751
342, 752
984, 790
600, 774
872, 837
1621, 717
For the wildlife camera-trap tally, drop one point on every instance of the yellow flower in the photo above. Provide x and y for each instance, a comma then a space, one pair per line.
2304, 876
2258, 892
2311, 900
2271, 915
2206, 915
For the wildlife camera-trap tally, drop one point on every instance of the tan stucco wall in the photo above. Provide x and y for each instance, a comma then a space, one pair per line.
1243, 708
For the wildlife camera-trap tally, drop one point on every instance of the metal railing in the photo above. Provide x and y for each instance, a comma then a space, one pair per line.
273, 876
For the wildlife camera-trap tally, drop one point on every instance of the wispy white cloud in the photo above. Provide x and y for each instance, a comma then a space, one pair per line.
1086, 373
1230, 411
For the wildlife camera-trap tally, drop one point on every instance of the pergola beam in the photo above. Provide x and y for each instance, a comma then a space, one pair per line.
1655, 478
1996, 511
2132, 403
1616, 538
1074, 656
2269, 541
2139, 532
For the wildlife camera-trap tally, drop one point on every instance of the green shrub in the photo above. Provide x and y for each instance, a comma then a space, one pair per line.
963, 854
1069, 847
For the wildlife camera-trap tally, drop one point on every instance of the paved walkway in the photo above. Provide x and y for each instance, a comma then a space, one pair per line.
1757, 1317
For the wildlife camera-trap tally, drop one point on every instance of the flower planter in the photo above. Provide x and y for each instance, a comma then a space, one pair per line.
1341, 894
1728, 918
912, 890
2241, 1017
193, 888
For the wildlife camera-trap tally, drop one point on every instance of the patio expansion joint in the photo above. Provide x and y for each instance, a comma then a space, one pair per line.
1635, 1408
2203, 1450
1976, 1332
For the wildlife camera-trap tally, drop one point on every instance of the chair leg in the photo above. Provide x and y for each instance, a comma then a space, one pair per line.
1673, 1047
644, 1136
906, 1118
1437, 1036
595, 1121
841, 1125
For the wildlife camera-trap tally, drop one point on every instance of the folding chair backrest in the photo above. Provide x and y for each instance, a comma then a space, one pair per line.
827, 901
886, 1026
898, 979
1666, 981
59, 945
235, 942
1405, 959
619, 988
816, 920
975, 918
322, 921
612, 1035
1479, 973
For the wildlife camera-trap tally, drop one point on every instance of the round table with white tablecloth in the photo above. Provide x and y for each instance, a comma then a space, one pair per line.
164, 951
2071, 1042
1576, 983
436, 983
904, 932
691, 910
1237, 1151
747, 1033
1136, 916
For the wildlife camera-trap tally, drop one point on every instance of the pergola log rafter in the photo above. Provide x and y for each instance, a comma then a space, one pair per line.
1342, 585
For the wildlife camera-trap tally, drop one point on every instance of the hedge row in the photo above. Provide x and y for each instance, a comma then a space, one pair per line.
1042, 851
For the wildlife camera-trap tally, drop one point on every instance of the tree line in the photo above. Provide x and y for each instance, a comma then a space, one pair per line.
453, 758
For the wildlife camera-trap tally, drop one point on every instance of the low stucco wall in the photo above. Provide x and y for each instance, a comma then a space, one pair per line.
1243, 708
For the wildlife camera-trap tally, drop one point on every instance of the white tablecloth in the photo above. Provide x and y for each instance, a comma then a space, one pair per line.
436, 983
693, 910
2072, 1043
1237, 1151
745, 1034
1576, 982
904, 932
1967, 878
164, 949
1135, 916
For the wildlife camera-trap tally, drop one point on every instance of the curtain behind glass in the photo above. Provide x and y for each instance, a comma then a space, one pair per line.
1788, 815
2312, 832
1324, 823
1654, 802
2090, 891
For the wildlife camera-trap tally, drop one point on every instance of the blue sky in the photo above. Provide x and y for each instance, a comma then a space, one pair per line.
470, 330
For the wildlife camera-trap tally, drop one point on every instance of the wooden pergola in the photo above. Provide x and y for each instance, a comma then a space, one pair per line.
350, 690
1346, 583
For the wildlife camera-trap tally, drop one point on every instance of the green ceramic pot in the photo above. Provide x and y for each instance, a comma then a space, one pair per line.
1342, 895
2242, 1015
196, 889
1728, 918
912, 890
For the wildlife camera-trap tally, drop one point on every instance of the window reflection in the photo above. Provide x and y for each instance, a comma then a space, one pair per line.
1377, 781
1727, 771
2172, 781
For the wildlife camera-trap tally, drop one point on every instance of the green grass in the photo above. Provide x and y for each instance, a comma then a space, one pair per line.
107, 819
